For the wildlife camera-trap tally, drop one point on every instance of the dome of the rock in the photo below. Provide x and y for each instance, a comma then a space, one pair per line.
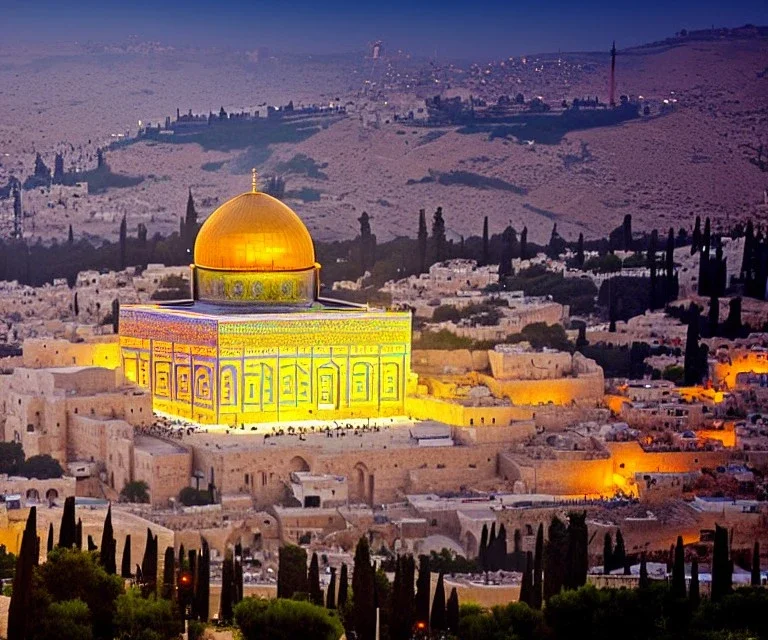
254, 232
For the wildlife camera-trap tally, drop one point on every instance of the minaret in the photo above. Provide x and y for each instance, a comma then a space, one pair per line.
612, 94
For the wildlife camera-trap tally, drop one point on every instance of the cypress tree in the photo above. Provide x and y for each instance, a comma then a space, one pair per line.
423, 584
291, 571
183, 558
580, 251
437, 619
401, 623
526, 588
227, 587
71, 236
748, 255
67, 531
452, 612
203, 590
538, 566
366, 245
517, 551
489, 558
555, 558
49, 545
149, 563
669, 259
239, 575
79, 534
500, 548
167, 589
692, 359
651, 257
422, 241
364, 613
644, 580
755, 577
619, 556
714, 315
125, 563
607, 553
330, 597
627, 232
107, 549
678, 570
721, 565
524, 244
693, 592
123, 242
696, 237
483, 552
438, 235
190, 599
190, 226
577, 556
19, 621
341, 599
91, 544
485, 256
315, 593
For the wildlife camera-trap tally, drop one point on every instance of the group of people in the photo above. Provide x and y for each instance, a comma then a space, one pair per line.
168, 429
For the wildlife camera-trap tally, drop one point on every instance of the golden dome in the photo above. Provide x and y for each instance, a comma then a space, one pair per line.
254, 232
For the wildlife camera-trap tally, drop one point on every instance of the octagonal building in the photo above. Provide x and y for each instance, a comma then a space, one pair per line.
256, 343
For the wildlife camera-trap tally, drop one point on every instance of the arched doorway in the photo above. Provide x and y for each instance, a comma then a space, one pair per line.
33, 495
298, 463
51, 496
362, 484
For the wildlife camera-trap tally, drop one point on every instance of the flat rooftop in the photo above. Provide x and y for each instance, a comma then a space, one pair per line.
156, 446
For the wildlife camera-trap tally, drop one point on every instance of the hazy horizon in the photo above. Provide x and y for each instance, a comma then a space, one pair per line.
447, 30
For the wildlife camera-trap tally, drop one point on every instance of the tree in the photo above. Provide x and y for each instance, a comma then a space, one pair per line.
524, 244
79, 534
485, 256
125, 565
538, 566
422, 241
167, 587
49, 545
21, 595
651, 259
42, 467
315, 592
11, 458
693, 591
556, 244
627, 232
401, 618
555, 557
423, 584
203, 583
291, 571
330, 598
619, 551
281, 619
367, 243
135, 491
644, 580
577, 556
499, 550
722, 567
678, 571
138, 618
526, 588
580, 251
341, 599
227, 590
607, 553
69, 574
107, 550
438, 235
755, 580
190, 226
123, 242
149, 564
482, 556
452, 612
437, 619
696, 237
67, 531
363, 611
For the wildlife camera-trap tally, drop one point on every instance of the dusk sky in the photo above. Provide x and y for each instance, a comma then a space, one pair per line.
484, 28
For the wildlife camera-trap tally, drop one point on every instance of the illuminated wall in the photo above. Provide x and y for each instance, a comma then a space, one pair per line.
234, 369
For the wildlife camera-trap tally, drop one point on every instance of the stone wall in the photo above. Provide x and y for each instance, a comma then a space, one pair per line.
442, 361
50, 352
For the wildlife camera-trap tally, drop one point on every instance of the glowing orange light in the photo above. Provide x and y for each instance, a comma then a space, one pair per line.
421, 625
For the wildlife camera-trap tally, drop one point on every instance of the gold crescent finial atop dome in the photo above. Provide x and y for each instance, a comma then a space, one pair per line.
254, 180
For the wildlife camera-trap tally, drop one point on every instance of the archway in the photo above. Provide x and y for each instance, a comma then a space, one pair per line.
298, 463
33, 495
361, 481
51, 495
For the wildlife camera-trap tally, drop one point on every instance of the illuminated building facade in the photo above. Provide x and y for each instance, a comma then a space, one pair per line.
256, 343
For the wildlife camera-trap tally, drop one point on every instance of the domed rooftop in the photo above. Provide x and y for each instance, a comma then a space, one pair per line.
254, 232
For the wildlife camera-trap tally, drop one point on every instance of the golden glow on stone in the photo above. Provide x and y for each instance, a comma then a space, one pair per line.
254, 232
